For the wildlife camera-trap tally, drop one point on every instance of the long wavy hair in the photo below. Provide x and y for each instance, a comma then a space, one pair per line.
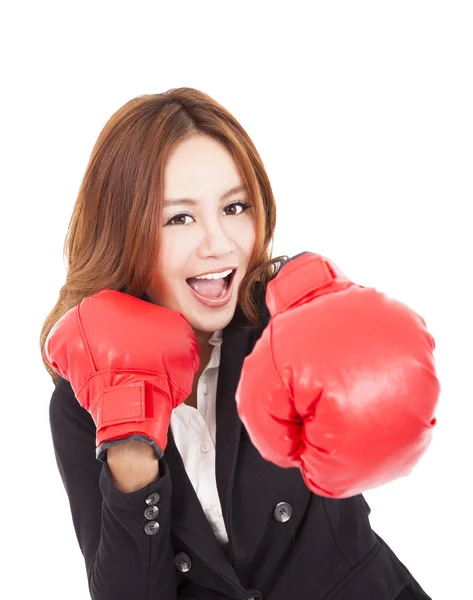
114, 226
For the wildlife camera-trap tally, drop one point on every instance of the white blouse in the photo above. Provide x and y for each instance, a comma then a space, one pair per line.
194, 433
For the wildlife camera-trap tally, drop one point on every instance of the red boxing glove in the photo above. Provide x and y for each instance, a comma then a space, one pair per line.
341, 383
129, 362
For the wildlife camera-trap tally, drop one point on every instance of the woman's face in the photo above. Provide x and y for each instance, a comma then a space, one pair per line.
210, 236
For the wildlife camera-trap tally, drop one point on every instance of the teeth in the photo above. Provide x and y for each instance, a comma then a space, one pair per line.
215, 275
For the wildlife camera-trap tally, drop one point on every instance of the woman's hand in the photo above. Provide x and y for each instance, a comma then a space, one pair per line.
341, 383
129, 362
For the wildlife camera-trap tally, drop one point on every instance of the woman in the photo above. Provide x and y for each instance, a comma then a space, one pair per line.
167, 292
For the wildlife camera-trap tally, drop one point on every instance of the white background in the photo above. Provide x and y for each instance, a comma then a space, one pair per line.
362, 113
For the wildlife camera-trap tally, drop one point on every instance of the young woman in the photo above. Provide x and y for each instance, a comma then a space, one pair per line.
193, 467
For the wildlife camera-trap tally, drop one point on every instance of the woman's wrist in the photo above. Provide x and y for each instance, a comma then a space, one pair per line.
133, 465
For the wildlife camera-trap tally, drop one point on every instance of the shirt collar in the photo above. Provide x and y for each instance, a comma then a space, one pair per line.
216, 341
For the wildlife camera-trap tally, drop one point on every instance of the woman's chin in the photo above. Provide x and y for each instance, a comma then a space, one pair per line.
213, 321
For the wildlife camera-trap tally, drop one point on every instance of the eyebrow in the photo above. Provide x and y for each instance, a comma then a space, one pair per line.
192, 202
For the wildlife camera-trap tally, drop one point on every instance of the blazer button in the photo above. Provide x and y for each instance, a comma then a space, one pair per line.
152, 528
152, 499
151, 512
282, 512
183, 562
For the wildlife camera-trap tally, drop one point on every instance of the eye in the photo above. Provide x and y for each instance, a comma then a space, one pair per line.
244, 205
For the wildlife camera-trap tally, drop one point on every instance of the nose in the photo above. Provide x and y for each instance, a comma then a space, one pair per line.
216, 242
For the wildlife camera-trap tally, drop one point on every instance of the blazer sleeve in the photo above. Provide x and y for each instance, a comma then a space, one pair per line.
122, 560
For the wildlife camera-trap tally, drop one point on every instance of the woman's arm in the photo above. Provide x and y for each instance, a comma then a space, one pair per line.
108, 504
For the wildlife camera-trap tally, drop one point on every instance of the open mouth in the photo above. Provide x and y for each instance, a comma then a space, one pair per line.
213, 294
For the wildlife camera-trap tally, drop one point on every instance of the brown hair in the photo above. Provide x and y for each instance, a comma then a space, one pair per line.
115, 220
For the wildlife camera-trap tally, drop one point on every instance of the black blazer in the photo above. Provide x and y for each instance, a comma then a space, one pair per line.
285, 542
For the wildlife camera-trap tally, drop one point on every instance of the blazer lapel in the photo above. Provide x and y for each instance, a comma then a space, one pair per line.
190, 529
236, 344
